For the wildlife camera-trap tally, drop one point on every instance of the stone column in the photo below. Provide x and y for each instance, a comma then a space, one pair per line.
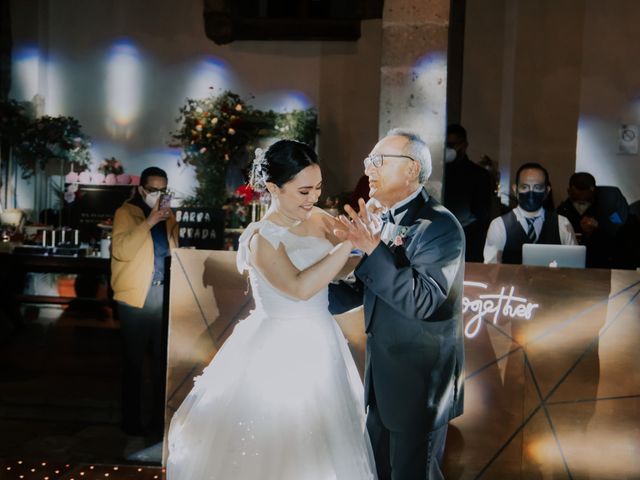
414, 74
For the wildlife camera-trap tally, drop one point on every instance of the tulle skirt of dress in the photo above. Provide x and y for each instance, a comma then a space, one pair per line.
281, 400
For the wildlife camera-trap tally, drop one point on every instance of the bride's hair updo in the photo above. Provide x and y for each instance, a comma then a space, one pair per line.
280, 163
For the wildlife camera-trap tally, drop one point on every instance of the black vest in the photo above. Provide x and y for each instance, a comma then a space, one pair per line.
516, 236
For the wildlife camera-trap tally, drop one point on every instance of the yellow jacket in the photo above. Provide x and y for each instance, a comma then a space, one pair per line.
132, 254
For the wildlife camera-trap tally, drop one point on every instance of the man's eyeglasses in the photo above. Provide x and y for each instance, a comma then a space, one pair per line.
154, 190
377, 159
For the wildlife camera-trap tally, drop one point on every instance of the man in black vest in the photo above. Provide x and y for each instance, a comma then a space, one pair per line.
529, 222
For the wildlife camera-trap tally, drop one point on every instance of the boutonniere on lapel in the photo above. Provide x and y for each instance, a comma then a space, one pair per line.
399, 238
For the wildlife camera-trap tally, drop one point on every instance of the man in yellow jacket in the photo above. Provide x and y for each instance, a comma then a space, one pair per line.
144, 231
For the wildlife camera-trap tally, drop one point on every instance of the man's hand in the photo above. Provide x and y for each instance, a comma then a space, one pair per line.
361, 228
157, 214
588, 225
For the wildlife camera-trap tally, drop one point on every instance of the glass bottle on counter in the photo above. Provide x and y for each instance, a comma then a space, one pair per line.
105, 243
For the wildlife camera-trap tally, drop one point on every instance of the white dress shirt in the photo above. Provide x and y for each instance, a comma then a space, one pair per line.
497, 233
389, 230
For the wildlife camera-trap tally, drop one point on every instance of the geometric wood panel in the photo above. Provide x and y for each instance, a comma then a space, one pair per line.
561, 397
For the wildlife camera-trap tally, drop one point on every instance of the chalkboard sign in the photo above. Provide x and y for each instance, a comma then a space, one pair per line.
202, 228
94, 204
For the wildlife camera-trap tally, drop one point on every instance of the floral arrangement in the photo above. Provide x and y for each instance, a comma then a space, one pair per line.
47, 138
221, 131
238, 206
244, 206
236, 213
111, 166
247, 194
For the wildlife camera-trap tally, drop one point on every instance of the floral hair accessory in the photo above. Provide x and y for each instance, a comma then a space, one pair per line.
258, 171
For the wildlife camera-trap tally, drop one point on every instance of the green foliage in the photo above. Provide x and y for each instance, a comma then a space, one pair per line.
217, 130
47, 138
15, 117
298, 125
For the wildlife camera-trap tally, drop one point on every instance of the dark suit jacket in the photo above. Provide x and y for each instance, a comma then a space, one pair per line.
412, 297
605, 246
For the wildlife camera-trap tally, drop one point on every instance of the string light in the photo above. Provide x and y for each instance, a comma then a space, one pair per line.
19, 469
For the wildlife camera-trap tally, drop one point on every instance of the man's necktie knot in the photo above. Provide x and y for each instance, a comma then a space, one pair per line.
531, 230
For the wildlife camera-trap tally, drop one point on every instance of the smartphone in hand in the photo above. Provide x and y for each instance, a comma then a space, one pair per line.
165, 201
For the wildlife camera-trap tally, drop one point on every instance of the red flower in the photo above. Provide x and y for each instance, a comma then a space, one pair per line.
246, 192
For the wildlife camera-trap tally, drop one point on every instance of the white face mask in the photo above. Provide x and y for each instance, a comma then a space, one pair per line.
581, 207
449, 155
151, 199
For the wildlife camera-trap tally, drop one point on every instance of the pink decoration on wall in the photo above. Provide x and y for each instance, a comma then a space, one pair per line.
135, 180
123, 179
84, 177
72, 177
110, 179
97, 178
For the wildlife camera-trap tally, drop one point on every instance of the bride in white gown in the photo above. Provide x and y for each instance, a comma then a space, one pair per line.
282, 398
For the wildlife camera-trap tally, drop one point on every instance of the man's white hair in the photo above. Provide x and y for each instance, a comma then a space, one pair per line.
416, 149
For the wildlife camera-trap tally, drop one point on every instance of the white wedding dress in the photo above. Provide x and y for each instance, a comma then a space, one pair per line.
282, 399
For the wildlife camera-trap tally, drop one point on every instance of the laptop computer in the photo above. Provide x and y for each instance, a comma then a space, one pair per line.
565, 256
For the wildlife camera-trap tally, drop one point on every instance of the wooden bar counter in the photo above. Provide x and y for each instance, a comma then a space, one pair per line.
552, 377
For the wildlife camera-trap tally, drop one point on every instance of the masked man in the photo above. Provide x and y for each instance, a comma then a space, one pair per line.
529, 222
144, 232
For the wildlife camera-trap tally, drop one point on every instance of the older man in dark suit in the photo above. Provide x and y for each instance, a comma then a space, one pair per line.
410, 282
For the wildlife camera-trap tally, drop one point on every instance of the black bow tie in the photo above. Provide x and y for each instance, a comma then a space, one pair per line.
389, 216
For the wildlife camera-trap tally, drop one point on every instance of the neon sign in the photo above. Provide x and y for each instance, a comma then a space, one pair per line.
498, 305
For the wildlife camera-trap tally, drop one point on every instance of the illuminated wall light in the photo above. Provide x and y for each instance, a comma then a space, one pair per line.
433, 61
123, 84
55, 89
210, 73
26, 71
427, 84
284, 101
